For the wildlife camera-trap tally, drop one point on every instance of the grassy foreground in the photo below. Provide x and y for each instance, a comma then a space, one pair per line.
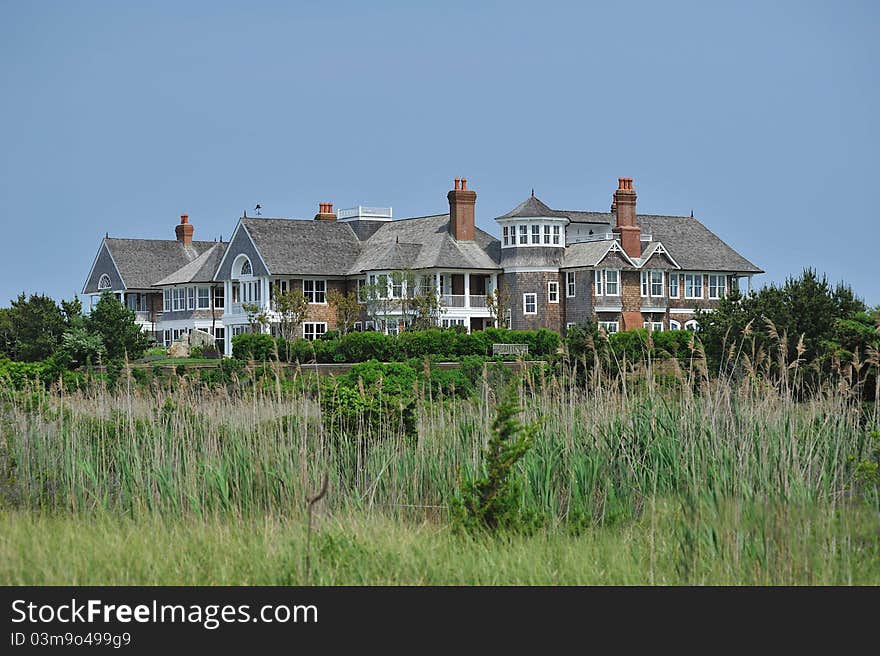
629, 481
760, 545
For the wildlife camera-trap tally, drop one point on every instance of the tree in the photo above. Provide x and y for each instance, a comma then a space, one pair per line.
36, 327
257, 316
7, 333
347, 307
292, 307
117, 327
498, 303
806, 315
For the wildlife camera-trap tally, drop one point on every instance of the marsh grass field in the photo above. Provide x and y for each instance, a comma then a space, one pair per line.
629, 481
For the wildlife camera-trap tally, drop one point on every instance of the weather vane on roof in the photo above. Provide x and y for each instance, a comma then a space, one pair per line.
257, 209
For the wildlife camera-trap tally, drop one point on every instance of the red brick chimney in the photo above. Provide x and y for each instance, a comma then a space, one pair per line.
624, 208
461, 211
325, 212
184, 230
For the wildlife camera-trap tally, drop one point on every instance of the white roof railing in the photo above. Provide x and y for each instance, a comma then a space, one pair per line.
362, 212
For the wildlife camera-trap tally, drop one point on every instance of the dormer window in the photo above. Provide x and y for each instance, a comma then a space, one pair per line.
104, 281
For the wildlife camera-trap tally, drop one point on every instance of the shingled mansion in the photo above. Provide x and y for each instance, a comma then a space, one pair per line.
555, 268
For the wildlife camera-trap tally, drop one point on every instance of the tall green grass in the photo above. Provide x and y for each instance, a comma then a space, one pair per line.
604, 448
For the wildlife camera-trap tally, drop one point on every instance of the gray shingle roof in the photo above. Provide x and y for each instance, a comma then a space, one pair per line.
436, 247
304, 246
689, 242
532, 207
586, 254
201, 269
693, 245
141, 262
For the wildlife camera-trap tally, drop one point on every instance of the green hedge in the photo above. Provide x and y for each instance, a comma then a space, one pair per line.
361, 347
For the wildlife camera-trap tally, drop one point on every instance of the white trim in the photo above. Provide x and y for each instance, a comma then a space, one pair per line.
525, 304
529, 270
315, 334
315, 291
676, 326
115, 266
608, 308
659, 249
682, 311
228, 250
702, 285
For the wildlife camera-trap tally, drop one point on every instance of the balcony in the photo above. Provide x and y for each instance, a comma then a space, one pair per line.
453, 300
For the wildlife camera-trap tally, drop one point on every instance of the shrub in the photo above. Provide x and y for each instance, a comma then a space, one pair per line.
253, 346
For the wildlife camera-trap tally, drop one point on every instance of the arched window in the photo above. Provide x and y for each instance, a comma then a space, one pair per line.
242, 267
691, 325
104, 281
674, 325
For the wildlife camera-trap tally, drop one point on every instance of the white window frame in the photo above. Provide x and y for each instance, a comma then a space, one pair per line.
653, 326
104, 282
536, 234
616, 282
570, 284
674, 277
610, 327
546, 235
523, 234
504, 232
513, 235
553, 291
526, 303
190, 298
508, 318
694, 277
598, 281
720, 289
674, 325
652, 275
691, 324
358, 326
207, 298
219, 297
166, 299
313, 293
310, 329
556, 235
643, 288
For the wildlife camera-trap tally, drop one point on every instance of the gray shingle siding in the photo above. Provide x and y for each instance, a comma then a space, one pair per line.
103, 264
579, 308
240, 244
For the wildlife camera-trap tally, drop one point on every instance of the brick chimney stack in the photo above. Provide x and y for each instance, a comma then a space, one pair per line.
325, 212
461, 211
624, 209
184, 230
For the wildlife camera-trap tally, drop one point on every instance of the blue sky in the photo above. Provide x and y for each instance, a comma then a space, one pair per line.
118, 117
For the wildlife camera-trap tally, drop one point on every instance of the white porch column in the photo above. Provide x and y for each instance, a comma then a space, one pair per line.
467, 290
